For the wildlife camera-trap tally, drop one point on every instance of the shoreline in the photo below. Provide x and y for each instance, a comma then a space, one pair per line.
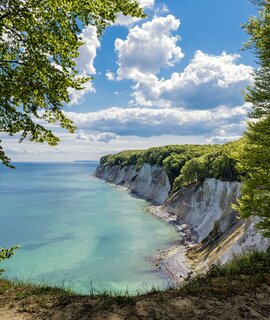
173, 261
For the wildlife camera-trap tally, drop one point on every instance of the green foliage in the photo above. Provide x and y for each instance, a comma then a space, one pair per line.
174, 163
253, 154
5, 160
258, 28
124, 158
224, 165
157, 155
218, 164
39, 41
6, 254
254, 160
184, 164
193, 171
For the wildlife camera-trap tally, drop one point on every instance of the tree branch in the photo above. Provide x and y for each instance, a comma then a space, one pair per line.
13, 61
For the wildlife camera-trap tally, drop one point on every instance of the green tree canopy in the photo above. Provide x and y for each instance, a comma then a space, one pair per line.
253, 153
39, 42
184, 164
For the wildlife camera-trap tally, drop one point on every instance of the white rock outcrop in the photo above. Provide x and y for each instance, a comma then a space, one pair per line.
249, 239
205, 206
116, 174
149, 182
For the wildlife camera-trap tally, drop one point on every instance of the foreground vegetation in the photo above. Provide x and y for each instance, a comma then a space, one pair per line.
242, 288
184, 164
253, 155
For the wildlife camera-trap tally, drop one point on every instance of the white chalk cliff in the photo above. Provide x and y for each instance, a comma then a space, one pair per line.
150, 182
204, 206
247, 238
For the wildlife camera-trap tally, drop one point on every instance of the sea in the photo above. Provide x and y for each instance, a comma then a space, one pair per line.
78, 232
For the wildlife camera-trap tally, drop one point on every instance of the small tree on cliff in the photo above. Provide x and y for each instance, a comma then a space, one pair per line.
254, 151
39, 41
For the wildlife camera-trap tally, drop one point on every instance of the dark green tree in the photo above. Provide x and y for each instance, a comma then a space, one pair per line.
253, 154
39, 42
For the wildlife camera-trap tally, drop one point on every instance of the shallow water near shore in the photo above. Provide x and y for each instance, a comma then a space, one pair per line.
77, 230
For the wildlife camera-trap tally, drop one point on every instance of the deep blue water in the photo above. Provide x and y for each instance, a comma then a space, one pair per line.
77, 230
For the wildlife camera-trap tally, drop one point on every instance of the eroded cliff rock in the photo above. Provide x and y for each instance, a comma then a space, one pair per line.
219, 234
247, 239
149, 182
205, 206
116, 174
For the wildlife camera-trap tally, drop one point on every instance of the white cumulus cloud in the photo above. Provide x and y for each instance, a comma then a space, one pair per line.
101, 137
82, 136
85, 62
106, 137
110, 75
222, 139
147, 3
148, 48
88, 51
207, 81
147, 122
76, 96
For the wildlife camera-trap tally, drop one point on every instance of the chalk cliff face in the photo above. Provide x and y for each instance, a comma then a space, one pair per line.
150, 182
204, 206
116, 174
248, 238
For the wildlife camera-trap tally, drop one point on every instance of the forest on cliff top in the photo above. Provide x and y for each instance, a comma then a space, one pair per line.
184, 164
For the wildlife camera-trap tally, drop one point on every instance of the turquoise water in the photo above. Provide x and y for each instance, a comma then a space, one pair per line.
77, 230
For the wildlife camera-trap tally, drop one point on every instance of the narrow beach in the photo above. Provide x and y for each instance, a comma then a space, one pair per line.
173, 261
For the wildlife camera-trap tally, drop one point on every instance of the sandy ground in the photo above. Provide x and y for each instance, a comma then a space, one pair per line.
175, 265
249, 304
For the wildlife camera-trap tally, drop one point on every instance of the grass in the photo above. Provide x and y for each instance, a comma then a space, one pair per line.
24, 289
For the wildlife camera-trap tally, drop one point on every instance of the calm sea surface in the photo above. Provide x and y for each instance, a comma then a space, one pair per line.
77, 230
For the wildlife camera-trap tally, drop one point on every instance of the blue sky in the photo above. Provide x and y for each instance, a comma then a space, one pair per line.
175, 77
212, 26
